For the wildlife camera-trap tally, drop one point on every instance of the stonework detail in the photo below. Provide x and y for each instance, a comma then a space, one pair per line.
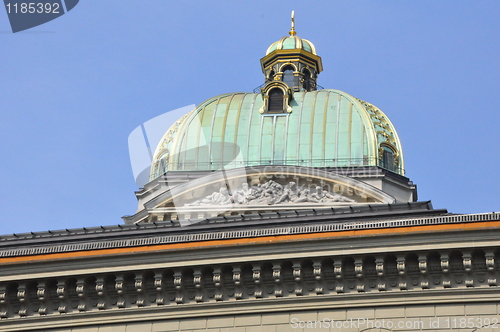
314, 276
270, 193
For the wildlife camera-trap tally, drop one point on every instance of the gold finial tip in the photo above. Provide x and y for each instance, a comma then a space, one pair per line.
292, 30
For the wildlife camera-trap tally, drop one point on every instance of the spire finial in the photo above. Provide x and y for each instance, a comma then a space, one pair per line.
292, 31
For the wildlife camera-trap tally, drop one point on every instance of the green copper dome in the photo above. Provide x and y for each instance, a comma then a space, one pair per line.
325, 128
292, 43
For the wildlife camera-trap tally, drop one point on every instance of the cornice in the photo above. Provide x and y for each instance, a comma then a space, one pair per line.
375, 279
192, 234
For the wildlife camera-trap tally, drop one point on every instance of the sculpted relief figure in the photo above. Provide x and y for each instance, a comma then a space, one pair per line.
267, 193
325, 197
245, 195
289, 193
220, 197
270, 193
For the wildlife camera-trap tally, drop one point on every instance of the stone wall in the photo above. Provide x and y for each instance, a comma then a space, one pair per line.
432, 318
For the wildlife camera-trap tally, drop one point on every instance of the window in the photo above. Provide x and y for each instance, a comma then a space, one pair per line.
271, 76
288, 77
275, 101
163, 166
276, 96
307, 80
388, 159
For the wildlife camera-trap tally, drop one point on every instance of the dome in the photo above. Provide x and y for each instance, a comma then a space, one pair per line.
324, 128
292, 43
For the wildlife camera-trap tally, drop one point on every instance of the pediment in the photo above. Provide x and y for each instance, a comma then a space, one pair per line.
262, 189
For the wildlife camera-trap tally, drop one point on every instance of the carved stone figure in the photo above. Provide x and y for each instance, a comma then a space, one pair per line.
270, 193
305, 196
289, 193
220, 197
325, 197
244, 195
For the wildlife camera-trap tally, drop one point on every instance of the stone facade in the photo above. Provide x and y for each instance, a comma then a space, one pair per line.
400, 269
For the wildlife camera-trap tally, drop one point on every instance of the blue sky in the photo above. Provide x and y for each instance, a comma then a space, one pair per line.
72, 90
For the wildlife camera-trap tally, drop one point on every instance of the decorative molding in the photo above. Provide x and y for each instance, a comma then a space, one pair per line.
287, 95
191, 286
250, 233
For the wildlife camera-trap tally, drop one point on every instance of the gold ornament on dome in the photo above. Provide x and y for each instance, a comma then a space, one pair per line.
292, 30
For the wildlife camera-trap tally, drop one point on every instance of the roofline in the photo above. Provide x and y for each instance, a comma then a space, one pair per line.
327, 232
